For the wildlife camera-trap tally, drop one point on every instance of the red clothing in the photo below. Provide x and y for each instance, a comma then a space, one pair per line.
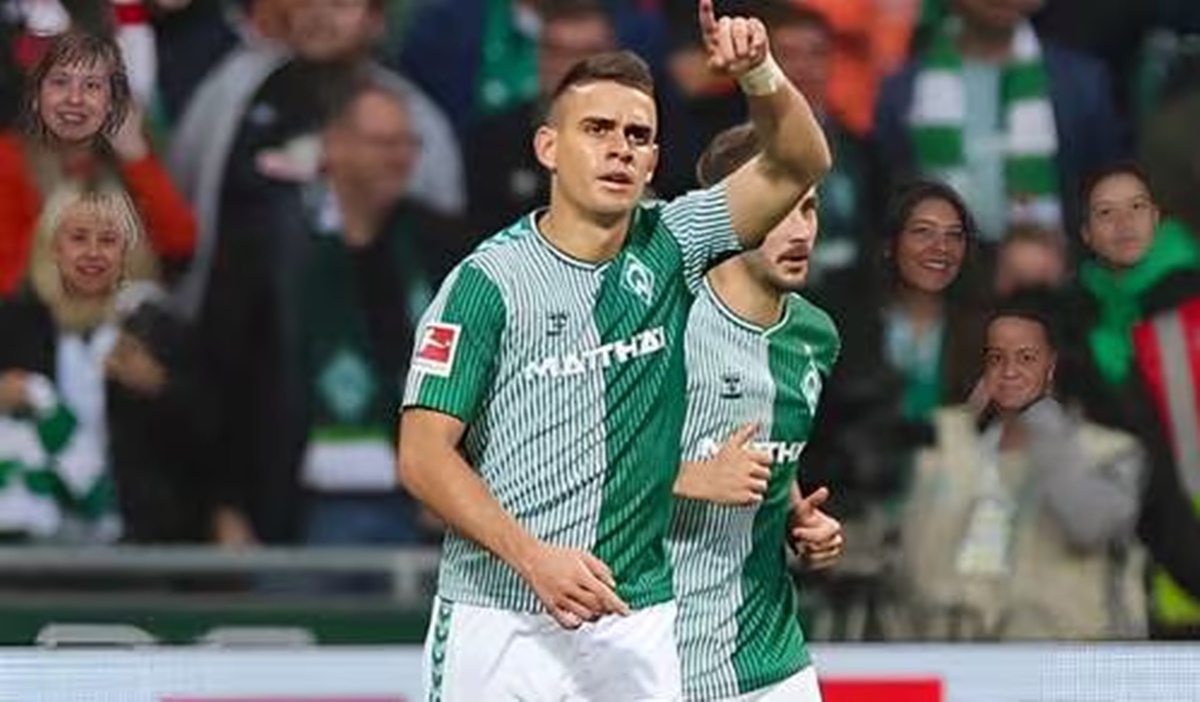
168, 219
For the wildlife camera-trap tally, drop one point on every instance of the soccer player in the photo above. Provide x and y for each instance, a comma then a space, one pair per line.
544, 405
756, 354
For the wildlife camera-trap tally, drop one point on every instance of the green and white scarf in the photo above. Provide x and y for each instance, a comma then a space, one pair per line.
939, 114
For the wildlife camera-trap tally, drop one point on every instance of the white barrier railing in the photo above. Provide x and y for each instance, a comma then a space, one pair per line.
409, 568
849, 673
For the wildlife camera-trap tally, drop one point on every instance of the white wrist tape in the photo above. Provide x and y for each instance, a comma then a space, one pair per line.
763, 79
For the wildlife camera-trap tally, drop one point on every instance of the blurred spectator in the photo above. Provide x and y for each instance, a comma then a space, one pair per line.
1030, 256
1170, 153
910, 346
193, 39
479, 57
505, 180
58, 335
1011, 121
694, 104
1144, 272
1132, 249
870, 41
311, 307
255, 118
1020, 524
803, 42
79, 85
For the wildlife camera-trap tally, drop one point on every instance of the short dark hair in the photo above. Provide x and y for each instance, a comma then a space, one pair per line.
1095, 178
622, 67
76, 47
1034, 305
728, 151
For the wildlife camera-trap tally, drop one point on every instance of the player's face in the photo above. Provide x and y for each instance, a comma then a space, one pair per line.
1121, 219
1018, 363
930, 249
74, 99
600, 147
782, 258
89, 251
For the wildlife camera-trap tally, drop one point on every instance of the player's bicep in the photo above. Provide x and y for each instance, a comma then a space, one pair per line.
424, 433
454, 356
700, 223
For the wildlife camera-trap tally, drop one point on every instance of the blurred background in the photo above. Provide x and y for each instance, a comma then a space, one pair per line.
206, 456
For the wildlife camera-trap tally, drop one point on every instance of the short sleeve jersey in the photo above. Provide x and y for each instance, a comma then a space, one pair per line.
569, 376
738, 628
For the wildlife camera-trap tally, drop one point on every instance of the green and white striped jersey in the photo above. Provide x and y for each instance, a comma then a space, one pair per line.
569, 376
738, 629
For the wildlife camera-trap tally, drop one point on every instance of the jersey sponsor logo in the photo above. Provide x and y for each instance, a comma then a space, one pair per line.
638, 279
439, 343
779, 451
646, 343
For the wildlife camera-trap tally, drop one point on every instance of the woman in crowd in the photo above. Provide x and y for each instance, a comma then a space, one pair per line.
1021, 519
82, 127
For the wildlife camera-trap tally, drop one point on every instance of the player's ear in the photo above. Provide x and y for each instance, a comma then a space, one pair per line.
545, 147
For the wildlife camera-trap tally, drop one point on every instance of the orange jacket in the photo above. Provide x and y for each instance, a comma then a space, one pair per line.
168, 219
871, 40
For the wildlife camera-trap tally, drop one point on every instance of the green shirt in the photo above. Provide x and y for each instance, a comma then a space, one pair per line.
569, 377
738, 627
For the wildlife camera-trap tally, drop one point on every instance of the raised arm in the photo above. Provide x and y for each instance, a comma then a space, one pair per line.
795, 154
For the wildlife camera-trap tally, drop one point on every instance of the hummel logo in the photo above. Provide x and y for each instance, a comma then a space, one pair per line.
558, 323
731, 386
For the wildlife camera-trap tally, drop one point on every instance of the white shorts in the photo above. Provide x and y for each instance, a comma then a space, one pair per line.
481, 654
801, 687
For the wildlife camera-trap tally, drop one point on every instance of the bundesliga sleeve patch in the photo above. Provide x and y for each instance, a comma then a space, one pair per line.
439, 343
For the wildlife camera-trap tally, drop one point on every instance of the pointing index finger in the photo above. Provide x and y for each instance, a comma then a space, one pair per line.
708, 20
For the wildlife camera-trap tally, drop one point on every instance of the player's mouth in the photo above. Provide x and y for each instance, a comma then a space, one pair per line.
617, 179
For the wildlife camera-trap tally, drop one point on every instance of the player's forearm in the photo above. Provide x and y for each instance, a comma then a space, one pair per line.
793, 142
440, 478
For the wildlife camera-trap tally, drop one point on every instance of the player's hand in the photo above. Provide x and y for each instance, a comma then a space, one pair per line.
14, 390
573, 585
738, 474
734, 44
816, 536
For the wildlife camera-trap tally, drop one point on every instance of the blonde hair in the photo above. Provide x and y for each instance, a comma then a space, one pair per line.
104, 200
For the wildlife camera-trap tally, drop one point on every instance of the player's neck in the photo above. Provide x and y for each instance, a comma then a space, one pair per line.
750, 298
592, 239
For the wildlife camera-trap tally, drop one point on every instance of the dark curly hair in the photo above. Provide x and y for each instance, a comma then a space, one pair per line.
75, 48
